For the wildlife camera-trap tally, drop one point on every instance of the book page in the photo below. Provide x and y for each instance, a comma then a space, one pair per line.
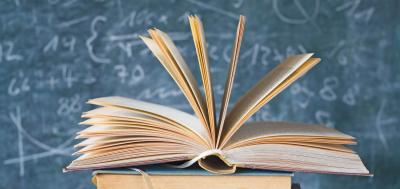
171, 51
274, 131
119, 140
110, 112
273, 83
158, 111
138, 135
105, 118
136, 129
127, 159
230, 77
168, 55
201, 51
286, 157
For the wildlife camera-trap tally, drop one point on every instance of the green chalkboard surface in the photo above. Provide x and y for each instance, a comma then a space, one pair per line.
57, 54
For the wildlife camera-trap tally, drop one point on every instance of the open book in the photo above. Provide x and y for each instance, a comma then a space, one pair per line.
126, 132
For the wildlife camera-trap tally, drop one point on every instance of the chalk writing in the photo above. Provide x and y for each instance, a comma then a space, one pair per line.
349, 97
306, 17
67, 42
160, 93
18, 85
324, 118
62, 149
70, 105
132, 77
67, 76
144, 17
7, 52
238, 3
214, 9
350, 7
92, 38
303, 94
380, 121
328, 90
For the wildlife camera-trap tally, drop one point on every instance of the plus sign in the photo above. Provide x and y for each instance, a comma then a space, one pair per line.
52, 82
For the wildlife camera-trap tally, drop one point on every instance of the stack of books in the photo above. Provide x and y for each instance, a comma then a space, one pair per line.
125, 133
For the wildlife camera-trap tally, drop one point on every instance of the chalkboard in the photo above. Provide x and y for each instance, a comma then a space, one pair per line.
55, 55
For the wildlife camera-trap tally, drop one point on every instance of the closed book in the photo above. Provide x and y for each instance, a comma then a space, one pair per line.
193, 178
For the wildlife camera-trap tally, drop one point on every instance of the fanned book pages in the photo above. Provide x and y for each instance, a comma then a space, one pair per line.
124, 132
